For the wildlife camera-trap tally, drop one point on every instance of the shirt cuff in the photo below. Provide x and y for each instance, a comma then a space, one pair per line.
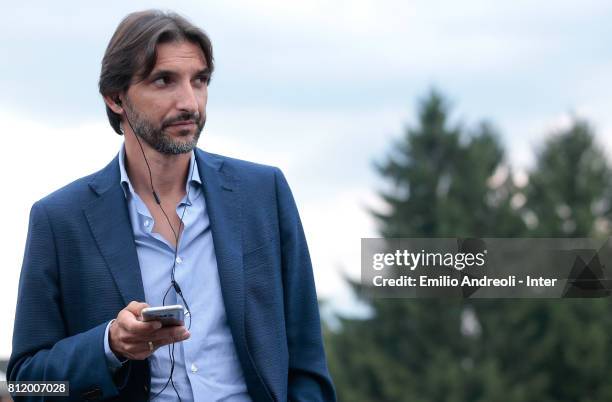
111, 359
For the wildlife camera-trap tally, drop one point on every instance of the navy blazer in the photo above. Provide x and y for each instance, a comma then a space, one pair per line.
81, 268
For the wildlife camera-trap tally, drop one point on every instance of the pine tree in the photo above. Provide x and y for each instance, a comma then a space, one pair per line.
568, 189
556, 350
415, 350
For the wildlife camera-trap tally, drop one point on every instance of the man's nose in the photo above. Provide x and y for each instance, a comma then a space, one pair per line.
187, 99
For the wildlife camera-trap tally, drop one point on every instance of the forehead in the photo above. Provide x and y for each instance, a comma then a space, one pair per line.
179, 56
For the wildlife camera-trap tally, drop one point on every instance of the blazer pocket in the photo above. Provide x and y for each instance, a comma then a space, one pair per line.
262, 276
258, 236
258, 257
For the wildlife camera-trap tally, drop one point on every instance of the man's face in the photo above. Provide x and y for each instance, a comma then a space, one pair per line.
167, 109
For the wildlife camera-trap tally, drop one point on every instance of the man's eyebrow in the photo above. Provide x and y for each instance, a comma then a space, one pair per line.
204, 71
159, 73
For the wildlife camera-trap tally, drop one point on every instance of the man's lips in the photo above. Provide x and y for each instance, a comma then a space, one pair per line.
182, 124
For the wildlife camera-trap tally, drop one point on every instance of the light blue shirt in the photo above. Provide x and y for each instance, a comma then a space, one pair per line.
206, 365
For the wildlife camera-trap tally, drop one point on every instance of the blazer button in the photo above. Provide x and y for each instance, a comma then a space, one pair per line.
146, 388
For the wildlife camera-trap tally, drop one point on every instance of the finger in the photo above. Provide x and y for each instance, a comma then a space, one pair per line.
140, 350
171, 330
136, 328
167, 335
136, 307
129, 323
163, 336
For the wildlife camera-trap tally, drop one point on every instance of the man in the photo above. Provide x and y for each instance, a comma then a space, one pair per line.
167, 223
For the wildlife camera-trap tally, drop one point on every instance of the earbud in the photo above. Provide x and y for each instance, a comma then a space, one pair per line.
118, 101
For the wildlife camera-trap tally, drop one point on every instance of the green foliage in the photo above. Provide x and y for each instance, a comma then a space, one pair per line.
441, 180
568, 188
445, 180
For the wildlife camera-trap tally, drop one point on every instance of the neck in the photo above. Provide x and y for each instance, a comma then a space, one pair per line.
169, 172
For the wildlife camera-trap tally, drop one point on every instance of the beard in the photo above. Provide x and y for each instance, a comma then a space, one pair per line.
158, 138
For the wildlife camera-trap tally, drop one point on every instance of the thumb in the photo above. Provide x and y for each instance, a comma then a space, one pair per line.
136, 307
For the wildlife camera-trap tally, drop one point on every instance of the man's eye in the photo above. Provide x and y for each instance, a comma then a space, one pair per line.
161, 81
201, 80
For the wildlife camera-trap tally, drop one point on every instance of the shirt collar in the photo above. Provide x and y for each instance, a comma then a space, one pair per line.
126, 184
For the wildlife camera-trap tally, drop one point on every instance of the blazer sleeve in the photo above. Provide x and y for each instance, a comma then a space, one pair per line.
42, 349
309, 379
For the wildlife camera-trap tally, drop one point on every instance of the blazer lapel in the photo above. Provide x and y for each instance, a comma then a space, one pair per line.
223, 203
223, 207
109, 221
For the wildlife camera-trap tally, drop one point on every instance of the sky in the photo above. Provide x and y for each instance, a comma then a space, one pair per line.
318, 88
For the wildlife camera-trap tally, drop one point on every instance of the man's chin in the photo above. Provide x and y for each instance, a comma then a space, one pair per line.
176, 142
178, 147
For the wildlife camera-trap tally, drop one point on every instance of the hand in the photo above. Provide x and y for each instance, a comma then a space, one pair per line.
129, 337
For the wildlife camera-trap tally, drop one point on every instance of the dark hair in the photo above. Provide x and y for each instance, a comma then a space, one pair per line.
131, 51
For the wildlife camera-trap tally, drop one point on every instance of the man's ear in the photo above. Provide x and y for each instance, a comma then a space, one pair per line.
114, 103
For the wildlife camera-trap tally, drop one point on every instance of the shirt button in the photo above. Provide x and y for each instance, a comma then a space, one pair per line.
179, 260
147, 223
194, 368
